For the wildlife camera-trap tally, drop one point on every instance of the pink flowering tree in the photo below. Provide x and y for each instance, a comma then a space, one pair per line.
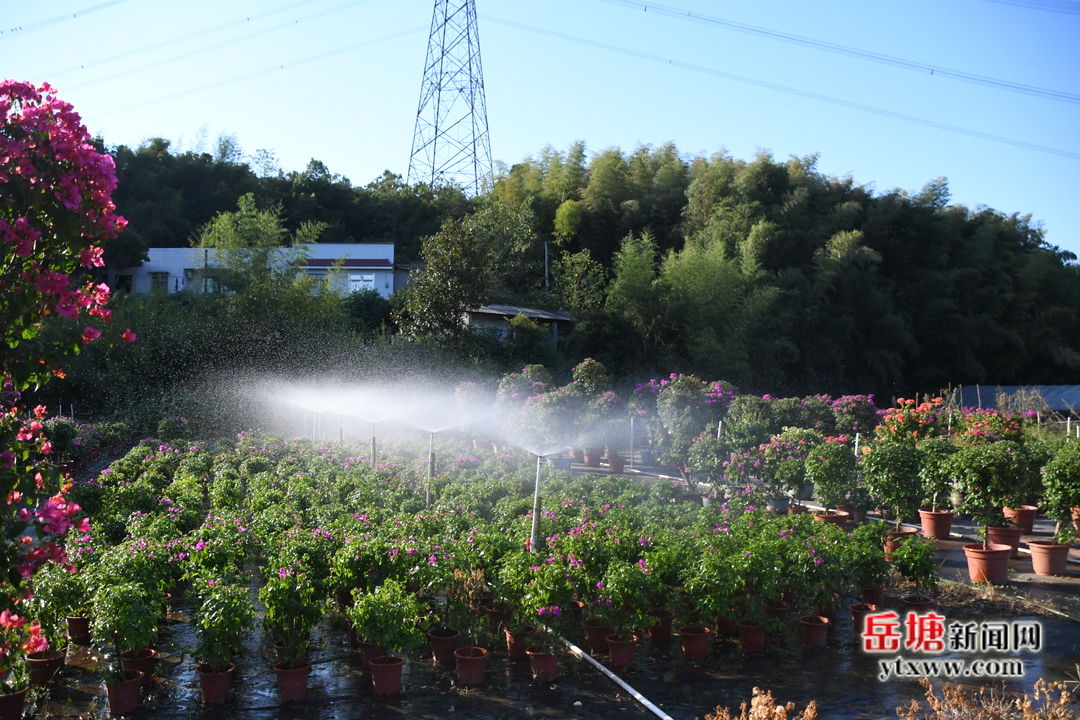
55, 211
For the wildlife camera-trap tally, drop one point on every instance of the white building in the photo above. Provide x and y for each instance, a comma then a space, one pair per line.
360, 266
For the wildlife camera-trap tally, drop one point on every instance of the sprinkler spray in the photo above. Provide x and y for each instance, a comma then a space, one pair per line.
373, 443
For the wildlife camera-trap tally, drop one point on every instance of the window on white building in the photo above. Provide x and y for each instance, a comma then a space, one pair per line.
358, 282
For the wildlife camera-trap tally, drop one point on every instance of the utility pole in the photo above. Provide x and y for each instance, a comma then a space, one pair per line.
450, 143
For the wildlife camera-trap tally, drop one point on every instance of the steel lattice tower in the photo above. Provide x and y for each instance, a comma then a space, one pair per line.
450, 143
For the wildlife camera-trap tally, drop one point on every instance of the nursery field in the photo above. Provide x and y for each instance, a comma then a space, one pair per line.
210, 553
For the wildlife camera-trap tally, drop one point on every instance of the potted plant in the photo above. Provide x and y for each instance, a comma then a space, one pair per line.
865, 564
124, 625
467, 589
17, 640
390, 617
783, 460
1061, 497
986, 474
223, 617
830, 466
891, 472
291, 611
914, 560
626, 584
936, 480
543, 662
57, 593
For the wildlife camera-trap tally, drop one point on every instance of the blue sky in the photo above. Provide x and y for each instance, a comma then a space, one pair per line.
339, 80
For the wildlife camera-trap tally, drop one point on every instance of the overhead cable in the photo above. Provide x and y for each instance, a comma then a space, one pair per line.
173, 41
41, 24
215, 46
264, 71
792, 91
913, 65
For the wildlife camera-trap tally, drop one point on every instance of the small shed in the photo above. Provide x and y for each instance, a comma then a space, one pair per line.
498, 317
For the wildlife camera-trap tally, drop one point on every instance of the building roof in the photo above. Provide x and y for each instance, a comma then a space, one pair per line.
514, 311
1060, 398
348, 262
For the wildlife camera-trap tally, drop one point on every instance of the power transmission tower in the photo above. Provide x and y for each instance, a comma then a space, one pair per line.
450, 143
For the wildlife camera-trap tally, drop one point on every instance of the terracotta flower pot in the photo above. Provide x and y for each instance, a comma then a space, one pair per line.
917, 603
471, 663
616, 464
988, 565
371, 651
592, 458
1006, 535
836, 518
79, 629
1049, 558
292, 682
726, 627
143, 662
443, 644
386, 674
124, 695
777, 609
43, 665
11, 704
873, 595
751, 636
936, 524
797, 510
892, 543
596, 636
215, 685
1024, 516
695, 641
544, 665
621, 652
815, 630
859, 611
660, 630
499, 617
517, 643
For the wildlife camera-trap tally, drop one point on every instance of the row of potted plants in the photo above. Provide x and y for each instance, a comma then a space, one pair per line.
323, 526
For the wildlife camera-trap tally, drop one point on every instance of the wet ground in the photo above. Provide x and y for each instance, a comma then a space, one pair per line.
840, 677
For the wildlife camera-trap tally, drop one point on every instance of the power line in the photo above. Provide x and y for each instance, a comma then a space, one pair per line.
901, 63
215, 46
40, 24
791, 90
264, 71
1058, 6
173, 41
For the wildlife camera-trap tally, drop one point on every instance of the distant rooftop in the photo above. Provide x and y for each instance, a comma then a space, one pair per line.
515, 310
1060, 398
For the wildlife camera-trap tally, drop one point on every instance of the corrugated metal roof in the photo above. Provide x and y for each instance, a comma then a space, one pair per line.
514, 310
1060, 398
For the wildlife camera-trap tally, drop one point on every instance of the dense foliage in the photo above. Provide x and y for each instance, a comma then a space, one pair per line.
767, 273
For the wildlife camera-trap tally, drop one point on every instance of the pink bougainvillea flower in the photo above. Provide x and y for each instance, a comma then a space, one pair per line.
90, 335
91, 257
128, 336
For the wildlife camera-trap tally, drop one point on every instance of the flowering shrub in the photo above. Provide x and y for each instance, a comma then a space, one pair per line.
855, 414
831, 467
783, 459
291, 610
389, 616
55, 211
683, 410
1061, 489
17, 639
223, 617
